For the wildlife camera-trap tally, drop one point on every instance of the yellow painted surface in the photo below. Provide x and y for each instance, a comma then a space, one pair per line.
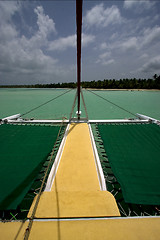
110, 229
12, 230
76, 204
77, 170
131, 229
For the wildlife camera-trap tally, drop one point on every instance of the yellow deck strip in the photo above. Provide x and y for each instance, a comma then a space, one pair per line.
77, 170
12, 230
76, 204
76, 190
112, 229
131, 229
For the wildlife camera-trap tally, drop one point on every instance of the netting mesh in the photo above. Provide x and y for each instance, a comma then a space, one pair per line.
134, 152
23, 149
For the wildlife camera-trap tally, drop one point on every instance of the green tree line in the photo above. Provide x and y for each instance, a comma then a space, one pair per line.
125, 83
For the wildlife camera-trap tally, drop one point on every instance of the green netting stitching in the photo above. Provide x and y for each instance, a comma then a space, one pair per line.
23, 150
126, 209
134, 153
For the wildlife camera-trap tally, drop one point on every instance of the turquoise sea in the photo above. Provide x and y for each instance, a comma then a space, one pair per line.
16, 100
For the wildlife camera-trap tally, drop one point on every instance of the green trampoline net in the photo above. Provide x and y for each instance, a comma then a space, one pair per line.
133, 152
23, 150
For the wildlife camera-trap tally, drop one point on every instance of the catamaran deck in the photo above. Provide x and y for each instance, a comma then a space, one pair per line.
74, 206
75, 203
75, 191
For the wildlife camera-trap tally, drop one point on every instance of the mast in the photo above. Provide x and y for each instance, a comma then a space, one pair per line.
79, 33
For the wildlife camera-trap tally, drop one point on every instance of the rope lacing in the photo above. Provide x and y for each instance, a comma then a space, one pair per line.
28, 229
112, 103
46, 102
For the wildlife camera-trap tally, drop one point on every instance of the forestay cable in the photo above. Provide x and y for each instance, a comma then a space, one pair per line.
46, 102
112, 103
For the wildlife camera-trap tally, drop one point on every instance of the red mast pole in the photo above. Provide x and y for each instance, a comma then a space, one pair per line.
79, 33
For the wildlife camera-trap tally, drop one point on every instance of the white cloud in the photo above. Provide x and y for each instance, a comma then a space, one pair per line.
129, 4
7, 33
46, 24
103, 46
104, 59
8, 9
129, 44
100, 16
62, 44
21, 55
132, 4
144, 56
151, 36
14, 56
114, 36
104, 55
152, 65
7, 29
105, 63
87, 39
25, 58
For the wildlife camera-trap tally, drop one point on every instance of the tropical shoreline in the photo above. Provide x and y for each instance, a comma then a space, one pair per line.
93, 89
130, 90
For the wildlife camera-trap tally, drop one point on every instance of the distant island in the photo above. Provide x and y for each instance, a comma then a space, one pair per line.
125, 83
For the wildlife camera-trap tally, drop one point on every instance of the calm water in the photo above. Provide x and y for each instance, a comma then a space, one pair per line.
13, 101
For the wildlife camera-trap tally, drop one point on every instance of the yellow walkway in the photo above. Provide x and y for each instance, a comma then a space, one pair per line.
76, 194
77, 170
109, 229
76, 190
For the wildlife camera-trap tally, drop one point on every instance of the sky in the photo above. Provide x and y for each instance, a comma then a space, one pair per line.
121, 39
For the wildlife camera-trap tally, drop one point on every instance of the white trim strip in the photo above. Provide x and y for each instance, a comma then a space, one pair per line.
93, 218
97, 161
141, 116
119, 121
80, 121
54, 168
37, 121
85, 219
12, 117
